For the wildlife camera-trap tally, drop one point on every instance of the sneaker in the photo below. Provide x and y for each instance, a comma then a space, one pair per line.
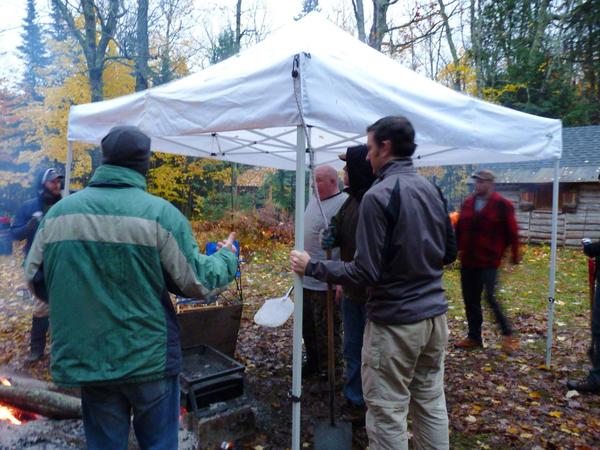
353, 413
510, 344
468, 344
584, 386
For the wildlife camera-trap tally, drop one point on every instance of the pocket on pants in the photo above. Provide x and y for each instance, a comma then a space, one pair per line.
371, 351
150, 392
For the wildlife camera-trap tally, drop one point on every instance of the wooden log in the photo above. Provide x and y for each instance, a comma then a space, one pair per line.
544, 236
545, 241
546, 229
585, 218
580, 236
47, 403
573, 242
583, 226
32, 383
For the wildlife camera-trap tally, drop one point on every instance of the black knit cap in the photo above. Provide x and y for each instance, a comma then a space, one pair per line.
360, 172
127, 146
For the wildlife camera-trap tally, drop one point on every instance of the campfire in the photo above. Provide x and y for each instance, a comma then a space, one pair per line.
12, 414
6, 413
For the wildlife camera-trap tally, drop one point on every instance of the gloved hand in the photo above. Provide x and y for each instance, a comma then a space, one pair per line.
32, 224
327, 237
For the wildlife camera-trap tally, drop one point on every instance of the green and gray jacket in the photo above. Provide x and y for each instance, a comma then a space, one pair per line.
109, 255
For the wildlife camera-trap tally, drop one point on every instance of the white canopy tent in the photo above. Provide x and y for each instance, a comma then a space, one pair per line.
312, 86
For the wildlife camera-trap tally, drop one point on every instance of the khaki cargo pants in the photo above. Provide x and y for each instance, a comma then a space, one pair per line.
402, 371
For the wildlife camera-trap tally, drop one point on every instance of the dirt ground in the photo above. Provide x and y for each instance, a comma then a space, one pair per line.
494, 400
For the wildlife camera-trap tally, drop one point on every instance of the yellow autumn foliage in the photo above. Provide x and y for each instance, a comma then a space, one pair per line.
188, 182
51, 117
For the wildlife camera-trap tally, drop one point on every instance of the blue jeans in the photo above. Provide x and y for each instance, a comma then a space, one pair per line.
355, 317
155, 406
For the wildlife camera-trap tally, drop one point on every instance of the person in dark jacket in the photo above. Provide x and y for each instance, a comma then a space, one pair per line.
24, 227
358, 178
592, 383
486, 228
403, 239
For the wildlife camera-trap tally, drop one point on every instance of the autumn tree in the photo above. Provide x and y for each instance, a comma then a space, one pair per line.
517, 50
167, 36
142, 54
582, 45
99, 25
194, 185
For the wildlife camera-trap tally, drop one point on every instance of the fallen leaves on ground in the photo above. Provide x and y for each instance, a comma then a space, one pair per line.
494, 400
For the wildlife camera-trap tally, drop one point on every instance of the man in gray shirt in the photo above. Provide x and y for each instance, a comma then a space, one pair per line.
314, 319
403, 239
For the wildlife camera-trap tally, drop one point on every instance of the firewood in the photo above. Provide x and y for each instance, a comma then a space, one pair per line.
53, 405
33, 383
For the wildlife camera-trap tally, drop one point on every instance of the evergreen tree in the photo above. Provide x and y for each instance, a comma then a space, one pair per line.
225, 46
58, 28
519, 60
582, 46
307, 7
33, 53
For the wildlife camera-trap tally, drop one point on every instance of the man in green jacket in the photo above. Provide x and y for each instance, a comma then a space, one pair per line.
106, 259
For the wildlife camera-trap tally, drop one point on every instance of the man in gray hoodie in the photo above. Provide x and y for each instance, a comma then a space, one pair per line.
404, 238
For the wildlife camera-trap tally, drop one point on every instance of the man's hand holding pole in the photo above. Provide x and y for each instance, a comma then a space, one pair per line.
299, 260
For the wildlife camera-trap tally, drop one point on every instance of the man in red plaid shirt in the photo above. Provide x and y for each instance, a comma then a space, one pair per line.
486, 227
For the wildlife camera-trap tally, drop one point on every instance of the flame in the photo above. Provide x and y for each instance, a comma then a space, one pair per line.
6, 414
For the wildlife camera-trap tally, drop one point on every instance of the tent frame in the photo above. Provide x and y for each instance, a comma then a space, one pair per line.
336, 121
301, 150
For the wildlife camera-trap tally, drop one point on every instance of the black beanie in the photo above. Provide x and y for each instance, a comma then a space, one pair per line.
127, 146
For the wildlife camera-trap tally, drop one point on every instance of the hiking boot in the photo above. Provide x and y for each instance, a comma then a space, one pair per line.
353, 413
510, 344
34, 357
584, 386
468, 344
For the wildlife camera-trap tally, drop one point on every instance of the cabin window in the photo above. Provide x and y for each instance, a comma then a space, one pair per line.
526, 200
542, 197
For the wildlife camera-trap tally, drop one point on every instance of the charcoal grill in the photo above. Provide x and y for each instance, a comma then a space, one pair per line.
209, 376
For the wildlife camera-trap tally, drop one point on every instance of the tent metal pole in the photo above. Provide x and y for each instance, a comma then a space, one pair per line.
299, 245
551, 288
68, 168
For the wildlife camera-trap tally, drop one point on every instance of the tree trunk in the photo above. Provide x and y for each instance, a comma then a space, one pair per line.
94, 47
142, 51
238, 26
96, 83
476, 43
456, 77
379, 26
359, 14
47, 403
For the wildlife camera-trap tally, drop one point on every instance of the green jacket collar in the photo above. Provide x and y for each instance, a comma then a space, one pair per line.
107, 175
